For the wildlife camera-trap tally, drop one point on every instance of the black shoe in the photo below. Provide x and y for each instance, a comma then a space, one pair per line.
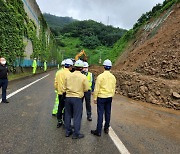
89, 118
59, 124
69, 134
106, 130
94, 132
4, 102
54, 115
78, 136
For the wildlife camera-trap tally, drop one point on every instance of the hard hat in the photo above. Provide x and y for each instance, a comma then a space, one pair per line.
107, 62
63, 62
68, 62
79, 63
86, 64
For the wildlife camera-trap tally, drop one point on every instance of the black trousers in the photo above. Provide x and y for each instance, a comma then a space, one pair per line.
61, 107
3, 84
74, 107
87, 97
103, 106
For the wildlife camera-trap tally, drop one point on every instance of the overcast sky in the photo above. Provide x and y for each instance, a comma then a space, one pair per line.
119, 13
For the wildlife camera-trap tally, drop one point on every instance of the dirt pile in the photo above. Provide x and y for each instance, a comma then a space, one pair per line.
150, 68
163, 58
162, 64
148, 89
152, 61
160, 55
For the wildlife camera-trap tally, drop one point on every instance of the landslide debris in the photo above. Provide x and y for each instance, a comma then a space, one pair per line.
149, 70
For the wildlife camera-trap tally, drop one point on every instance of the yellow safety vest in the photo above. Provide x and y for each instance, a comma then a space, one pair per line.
90, 79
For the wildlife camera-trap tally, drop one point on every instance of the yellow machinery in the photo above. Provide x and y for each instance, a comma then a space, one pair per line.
80, 54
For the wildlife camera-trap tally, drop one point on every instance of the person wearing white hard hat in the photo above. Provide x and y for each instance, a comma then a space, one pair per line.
76, 84
63, 63
34, 66
103, 93
59, 86
73, 68
62, 66
87, 95
56, 103
3, 78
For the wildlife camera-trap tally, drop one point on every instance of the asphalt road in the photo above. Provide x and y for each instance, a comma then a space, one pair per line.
26, 125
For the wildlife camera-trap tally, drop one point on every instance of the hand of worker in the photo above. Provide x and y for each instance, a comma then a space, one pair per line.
95, 101
92, 93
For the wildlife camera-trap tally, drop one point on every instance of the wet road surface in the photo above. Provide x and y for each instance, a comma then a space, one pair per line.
26, 124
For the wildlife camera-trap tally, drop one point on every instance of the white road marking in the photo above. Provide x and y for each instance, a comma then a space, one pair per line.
17, 91
120, 146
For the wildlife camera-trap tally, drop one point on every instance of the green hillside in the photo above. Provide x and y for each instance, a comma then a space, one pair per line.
69, 47
95, 38
93, 34
56, 23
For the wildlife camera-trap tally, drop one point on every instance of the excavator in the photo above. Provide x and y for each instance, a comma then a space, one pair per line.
82, 52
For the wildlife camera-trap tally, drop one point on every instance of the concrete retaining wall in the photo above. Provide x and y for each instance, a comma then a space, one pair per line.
33, 11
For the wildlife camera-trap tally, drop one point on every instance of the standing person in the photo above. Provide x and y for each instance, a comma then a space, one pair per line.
103, 93
87, 95
45, 66
76, 84
34, 66
3, 79
56, 103
59, 86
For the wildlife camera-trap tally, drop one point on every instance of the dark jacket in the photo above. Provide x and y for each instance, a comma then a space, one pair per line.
3, 71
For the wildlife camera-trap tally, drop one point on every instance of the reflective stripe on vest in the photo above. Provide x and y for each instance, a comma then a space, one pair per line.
89, 77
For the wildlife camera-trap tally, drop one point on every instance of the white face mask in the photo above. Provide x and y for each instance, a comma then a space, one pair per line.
85, 69
3, 62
